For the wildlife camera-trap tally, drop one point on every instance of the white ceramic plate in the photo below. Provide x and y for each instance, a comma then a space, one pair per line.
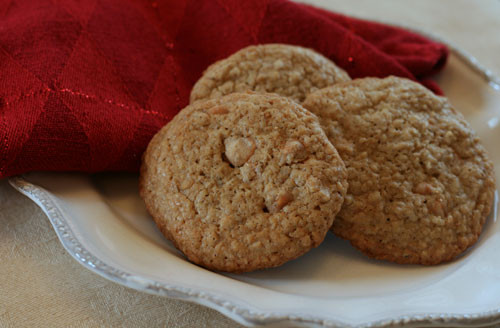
103, 224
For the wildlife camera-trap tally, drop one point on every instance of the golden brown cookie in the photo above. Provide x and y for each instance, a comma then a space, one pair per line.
420, 182
287, 70
243, 182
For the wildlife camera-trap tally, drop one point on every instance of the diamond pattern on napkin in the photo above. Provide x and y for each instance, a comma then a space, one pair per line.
84, 85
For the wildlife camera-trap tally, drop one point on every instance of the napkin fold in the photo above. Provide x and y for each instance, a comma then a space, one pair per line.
84, 85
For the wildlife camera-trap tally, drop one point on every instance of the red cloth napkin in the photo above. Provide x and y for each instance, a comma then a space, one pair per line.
84, 85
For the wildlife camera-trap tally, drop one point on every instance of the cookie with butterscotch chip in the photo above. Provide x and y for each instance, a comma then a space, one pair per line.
420, 183
287, 70
243, 182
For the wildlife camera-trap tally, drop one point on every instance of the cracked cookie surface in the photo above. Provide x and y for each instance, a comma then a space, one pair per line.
243, 182
289, 71
420, 182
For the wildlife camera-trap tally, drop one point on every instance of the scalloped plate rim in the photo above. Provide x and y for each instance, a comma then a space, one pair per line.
246, 316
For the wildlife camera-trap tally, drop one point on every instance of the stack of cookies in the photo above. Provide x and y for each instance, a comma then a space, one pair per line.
279, 146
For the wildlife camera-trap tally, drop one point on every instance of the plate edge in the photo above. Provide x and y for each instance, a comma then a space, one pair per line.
74, 247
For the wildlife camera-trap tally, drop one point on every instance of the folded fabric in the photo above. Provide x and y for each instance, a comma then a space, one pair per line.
84, 85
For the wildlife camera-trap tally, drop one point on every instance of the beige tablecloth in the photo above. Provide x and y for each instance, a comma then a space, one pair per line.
42, 286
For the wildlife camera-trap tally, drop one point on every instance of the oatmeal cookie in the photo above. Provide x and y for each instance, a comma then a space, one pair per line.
420, 182
243, 182
289, 71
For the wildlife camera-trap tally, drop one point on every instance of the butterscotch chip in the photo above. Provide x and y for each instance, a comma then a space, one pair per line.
289, 71
420, 182
215, 184
238, 150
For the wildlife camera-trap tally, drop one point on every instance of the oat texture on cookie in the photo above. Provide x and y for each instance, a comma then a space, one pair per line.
243, 182
290, 71
420, 182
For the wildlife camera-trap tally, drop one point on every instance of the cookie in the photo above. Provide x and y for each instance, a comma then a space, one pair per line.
289, 71
243, 182
420, 182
